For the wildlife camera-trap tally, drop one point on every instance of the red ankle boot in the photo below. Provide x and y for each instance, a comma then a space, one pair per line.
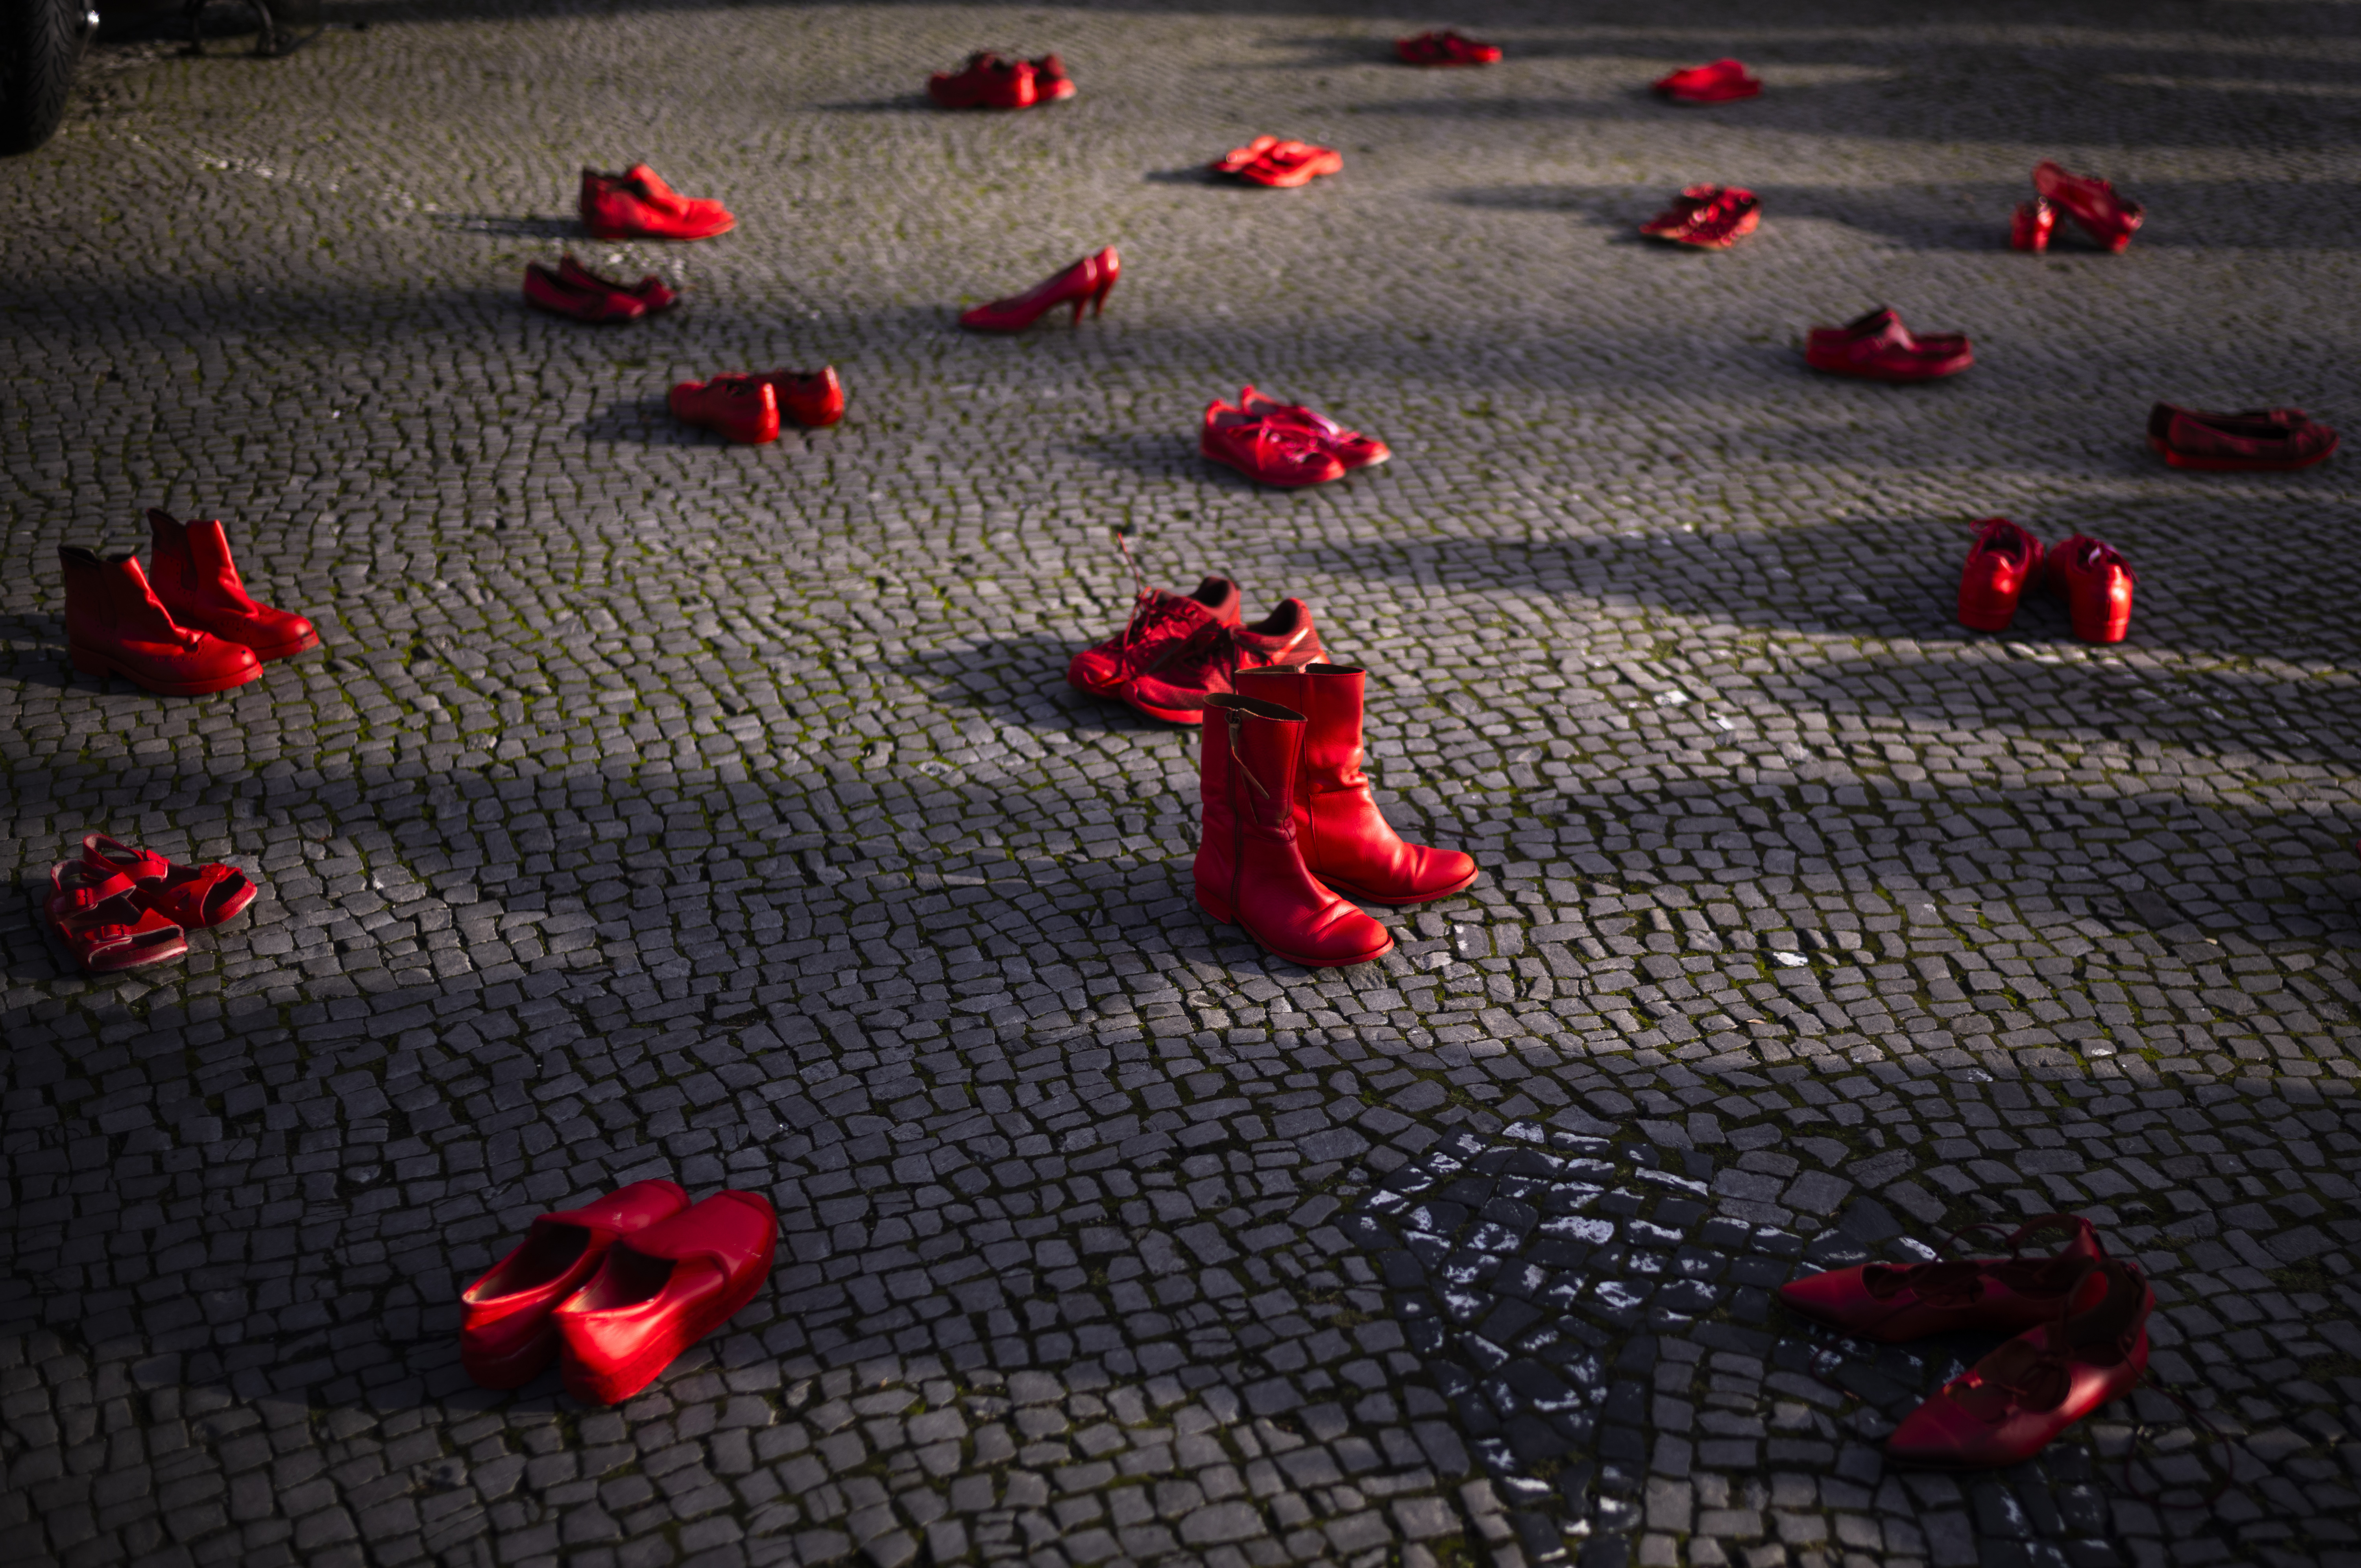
1347, 843
196, 580
116, 625
1250, 869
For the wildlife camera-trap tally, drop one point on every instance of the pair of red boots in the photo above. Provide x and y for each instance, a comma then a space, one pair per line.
1721, 82
617, 1289
1087, 282
121, 907
2080, 1318
748, 409
2095, 581
1707, 217
1445, 47
187, 629
2107, 218
1276, 165
638, 204
1287, 444
1878, 348
990, 82
570, 288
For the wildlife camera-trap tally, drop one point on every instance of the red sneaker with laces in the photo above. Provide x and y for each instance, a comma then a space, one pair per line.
745, 409
1175, 691
1878, 348
1892, 1304
638, 204
1162, 623
813, 398
1708, 217
2091, 201
986, 82
1349, 448
1722, 81
2002, 560
2029, 227
2096, 583
1287, 455
1445, 47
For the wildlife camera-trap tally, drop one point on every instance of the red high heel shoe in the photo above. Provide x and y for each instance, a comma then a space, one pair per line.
661, 1289
186, 896
2002, 560
98, 916
744, 408
1087, 282
1882, 1301
813, 398
508, 1335
2096, 583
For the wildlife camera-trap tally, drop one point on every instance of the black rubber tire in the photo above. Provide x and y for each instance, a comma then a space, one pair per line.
40, 44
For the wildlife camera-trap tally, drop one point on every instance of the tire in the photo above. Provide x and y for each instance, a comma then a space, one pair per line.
40, 44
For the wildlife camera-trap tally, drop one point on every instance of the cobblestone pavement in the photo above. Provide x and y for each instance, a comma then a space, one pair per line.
659, 806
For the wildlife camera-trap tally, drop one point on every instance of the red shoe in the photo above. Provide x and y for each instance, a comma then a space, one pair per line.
508, 1335
1878, 348
1050, 82
600, 304
1162, 623
1287, 455
2096, 585
1239, 159
743, 408
116, 625
2029, 227
198, 585
813, 398
1710, 217
1250, 868
98, 916
186, 896
1346, 840
1723, 82
661, 1289
1881, 1301
1349, 448
2093, 202
653, 293
1286, 165
986, 82
2002, 560
1446, 47
2009, 1405
1087, 282
1176, 689
638, 204
2256, 440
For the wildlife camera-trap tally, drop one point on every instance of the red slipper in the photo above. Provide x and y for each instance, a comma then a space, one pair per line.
186, 896
507, 1337
98, 916
1881, 1301
661, 1289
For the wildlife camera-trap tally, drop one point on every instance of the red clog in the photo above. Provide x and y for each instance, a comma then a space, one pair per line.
198, 585
1878, 348
2096, 583
508, 1335
1287, 455
186, 896
745, 409
1446, 47
813, 398
2002, 560
651, 292
1087, 282
1722, 81
98, 916
1162, 622
2030, 225
1176, 689
547, 288
2012, 1404
117, 625
1050, 82
1889, 1303
1349, 448
638, 204
2105, 216
2256, 439
986, 82
1708, 217
661, 1289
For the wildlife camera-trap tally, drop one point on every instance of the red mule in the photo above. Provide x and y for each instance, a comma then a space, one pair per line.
602, 304
98, 916
661, 1289
197, 582
1162, 623
1349, 448
1882, 1301
2107, 218
1348, 842
1287, 455
2096, 583
2029, 227
1878, 348
117, 625
509, 1334
186, 896
2002, 560
1250, 868
1178, 689
986, 82
2256, 439
1446, 47
1087, 282
813, 398
744, 408
1722, 81
638, 204
1707, 217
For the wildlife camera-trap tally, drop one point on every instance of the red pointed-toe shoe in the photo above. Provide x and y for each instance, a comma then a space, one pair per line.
1050, 82
1707, 217
1891, 1304
98, 916
2256, 440
1087, 282
1178, 687
508, 1335
548, 289
813, 398
743, 409
1270, 453
2002, 560
2105, 216
116, 626
1286, 165
638, 204
1346, 842
1722, 81
1349, 448
2030, 225
661, 1289
189, 897
1162, 623
197, 583
986, 82
651, 292
1878, 348
2096, 585
1446, 47
2014, 1402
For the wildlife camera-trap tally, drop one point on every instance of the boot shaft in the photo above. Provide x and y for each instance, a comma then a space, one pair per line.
1330, 698
110, 599
193, 563
1249, 761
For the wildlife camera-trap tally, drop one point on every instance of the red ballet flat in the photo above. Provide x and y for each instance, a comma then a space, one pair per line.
1882, 1301
98, 916
186, 896
507, 1337
661, 1290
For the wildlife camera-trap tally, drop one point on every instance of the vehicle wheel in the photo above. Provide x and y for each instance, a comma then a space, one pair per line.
41, 43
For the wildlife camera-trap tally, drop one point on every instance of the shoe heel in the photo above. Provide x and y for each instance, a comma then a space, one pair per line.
1098, 300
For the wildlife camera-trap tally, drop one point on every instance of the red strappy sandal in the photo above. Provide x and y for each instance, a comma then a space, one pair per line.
1882, 1301
188, 895
98, 916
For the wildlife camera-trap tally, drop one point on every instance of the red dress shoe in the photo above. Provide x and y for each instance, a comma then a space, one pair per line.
638, 204
1287, 455
2256, 440
508, 1335
98, 916
186, 896
2009, 1405
1878, 348
745, 409
1710, 217
1349, 448
1723, 82
551, 290
1162, 623
117, 625
1288, 164
2092, 202
1050, 82
2096, 585
813, 398
1178, 689
2029, 227
986, 82
1446, 47
1882, 1301
197, 583
1087, 282
653, 293
661, 1289
2002, 560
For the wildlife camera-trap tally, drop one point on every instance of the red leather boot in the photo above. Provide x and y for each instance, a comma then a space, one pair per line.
1250, 869
196, 580
116, 625
1347, 843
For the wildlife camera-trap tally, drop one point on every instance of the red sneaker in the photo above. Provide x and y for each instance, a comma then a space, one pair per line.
117, 625
2256, 440
1446, 47
98, 916
1050, 82
2002, 560
1710, 217
986, 82
813, 398
506, 1335
1162, 623
1087, 282
1878, 348
2092, 202
1286, 165
1287, 455
2029, 227
1176, 690
599, 303
2096, 585
1880, 1301
198, 585
743, 408
661, 1289
1349, 448
653, 293
1723, 82
638, 204
186, 896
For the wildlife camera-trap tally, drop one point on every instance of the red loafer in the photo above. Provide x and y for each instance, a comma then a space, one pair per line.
546, 289
2096, 583
2002, 560
1162, 622
197, 583
506, 1335
1087, 282
638, 204
98, 916
745, 409
651, 292
1176, 690
117, 625
1349, 448
187, 896
1722, 81
1286, 456
2029, 227
986, 82
661, 1289
1446, 47
2105, 216
1878, 348
1882, 1301
2258, 440
813, 398
1708, 217
1050, 82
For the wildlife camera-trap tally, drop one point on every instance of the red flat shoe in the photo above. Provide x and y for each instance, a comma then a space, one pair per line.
1722, 81
189, 897
2092, 202
1878, 348
744, 408
198, 585
2096, 583
117, 625
813, 398
1890, 1304
1446, 47
2260, 440
1708, 217
1349, 448
599, 304
2012, 1404
1290, 164
651, 292
1287, 455
1176, 690
1087, 282
1162, 623
1235, 160
98, 916
2002, 560
1050, 82
986, 82
638, 204
2029, 227
661, 1289
508, 1335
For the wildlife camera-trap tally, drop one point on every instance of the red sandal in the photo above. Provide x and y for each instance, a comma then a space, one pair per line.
188, 895
98, 916
1881, 1301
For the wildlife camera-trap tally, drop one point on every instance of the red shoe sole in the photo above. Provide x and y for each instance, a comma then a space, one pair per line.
164, 954
598, 233
1169, 714
286, 650
91, 663
517, 1368
2239, 465
1362, 895
1235, 466
1212, 906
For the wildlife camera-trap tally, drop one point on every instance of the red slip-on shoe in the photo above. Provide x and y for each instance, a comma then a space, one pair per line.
661, 1289
1290, 164
2029, 226
1175, 691
506, 1335
2003, 560
1287, 455
1050, 82
198, 585
116, 626
2091, 201
653, 293
2012, 1404
638, 204
1722, 81
745, 409
2161, 417
2096, 583
2259, 441
189, 897
1446, 47
98, 916
1878, 348
1162, 623
1238, 158
1087, 282
1349, 448
813, 398
599, 303
1891, 1304
986, 82
1708, 217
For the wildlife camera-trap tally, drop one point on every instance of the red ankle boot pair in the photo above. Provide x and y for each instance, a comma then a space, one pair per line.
747, 409
617, 1289
189, 629
2093, 580
2080, 1318
121, 907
